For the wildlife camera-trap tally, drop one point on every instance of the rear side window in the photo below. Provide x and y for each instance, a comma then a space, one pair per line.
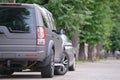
17, 19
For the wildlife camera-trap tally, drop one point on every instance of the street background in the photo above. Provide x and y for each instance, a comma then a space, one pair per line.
98, 70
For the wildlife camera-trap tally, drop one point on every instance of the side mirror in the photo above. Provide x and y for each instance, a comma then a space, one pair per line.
62, 31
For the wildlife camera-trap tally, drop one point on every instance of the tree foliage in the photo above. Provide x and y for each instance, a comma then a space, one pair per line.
66, 13
115, 34
93, 20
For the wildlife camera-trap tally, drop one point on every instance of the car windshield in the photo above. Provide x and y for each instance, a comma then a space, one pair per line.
17, 19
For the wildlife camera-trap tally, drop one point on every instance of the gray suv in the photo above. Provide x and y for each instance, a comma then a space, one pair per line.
29, 40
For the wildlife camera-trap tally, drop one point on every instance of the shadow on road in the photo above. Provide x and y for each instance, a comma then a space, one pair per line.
22, 76
25, 76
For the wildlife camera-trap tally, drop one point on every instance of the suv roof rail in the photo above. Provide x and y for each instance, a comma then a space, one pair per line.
10, 4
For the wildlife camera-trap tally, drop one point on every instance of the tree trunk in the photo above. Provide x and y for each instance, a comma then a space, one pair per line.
99, 48
75, 42
90, 52
95, 52
83, 51
82, 54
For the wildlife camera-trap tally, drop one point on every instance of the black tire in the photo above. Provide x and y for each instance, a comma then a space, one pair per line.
48, 71
6, 72
72, 68
62, 70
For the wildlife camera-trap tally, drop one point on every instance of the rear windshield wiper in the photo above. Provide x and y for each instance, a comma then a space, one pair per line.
17, 31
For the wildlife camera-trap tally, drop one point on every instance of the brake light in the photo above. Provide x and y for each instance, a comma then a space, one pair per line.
10, 4
41, 35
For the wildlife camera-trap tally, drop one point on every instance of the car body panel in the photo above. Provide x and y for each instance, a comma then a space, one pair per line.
23, 45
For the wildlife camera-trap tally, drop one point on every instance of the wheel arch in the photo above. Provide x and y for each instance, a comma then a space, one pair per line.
50, 46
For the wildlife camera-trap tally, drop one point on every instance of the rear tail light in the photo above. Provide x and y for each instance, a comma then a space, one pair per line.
41, 35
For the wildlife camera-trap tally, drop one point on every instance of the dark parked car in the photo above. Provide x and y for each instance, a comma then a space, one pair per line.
70, 51
28, 40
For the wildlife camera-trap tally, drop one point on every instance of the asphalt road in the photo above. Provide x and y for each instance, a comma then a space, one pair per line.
101, 70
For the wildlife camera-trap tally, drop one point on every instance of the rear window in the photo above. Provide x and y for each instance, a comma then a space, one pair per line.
17, 19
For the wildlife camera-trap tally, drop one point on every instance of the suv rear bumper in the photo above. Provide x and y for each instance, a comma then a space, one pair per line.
16, 55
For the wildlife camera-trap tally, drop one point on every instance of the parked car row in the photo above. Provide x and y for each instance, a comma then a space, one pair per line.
117, 54
29, 40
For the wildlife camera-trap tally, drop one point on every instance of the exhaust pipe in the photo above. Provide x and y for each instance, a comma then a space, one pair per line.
59, 65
